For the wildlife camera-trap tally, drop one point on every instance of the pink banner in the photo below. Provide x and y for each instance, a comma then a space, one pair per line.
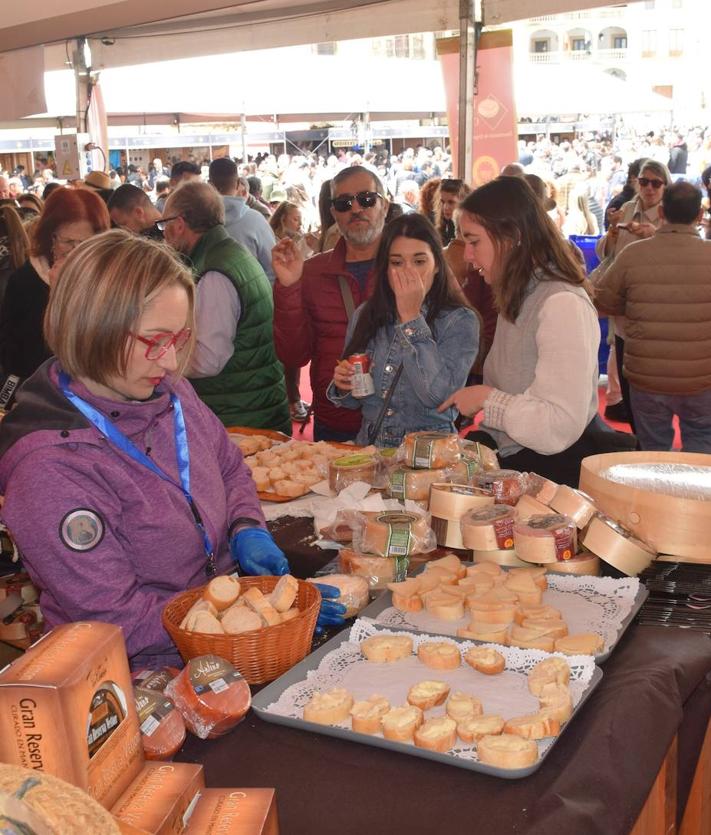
495, 132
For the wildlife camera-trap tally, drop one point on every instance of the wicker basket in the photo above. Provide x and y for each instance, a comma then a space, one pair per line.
261, 655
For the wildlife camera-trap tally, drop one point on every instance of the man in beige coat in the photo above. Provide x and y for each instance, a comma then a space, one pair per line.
662, 285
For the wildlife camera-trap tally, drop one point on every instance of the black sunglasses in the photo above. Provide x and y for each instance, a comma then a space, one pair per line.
645, 181
366, 199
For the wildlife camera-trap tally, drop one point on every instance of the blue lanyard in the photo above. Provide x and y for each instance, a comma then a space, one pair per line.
118, 439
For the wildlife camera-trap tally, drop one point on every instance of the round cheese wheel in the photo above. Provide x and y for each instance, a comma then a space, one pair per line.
405, 483
545, 538
452, 501
349, 469
540, 488
355, 591
574, 504
506, 486
430, 450
488, 529
162, 727
393, 534
617, 546
211, 696
527, 506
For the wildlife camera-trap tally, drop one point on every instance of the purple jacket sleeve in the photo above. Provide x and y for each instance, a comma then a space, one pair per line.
97, 584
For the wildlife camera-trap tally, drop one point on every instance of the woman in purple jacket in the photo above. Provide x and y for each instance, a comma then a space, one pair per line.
121, 488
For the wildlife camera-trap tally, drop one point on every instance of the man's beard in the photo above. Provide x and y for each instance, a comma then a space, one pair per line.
365, 235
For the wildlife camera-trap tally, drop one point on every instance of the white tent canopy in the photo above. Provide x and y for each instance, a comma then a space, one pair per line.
246, 82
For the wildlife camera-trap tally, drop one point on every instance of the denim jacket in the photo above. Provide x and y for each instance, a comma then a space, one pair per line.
435, 363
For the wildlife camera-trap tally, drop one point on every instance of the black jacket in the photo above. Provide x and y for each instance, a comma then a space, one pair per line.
22, 345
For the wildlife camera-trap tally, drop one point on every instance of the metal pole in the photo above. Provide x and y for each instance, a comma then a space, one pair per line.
82, 83
467, 66
243, 130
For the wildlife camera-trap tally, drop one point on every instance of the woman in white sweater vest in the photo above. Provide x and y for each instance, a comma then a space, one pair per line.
540, 378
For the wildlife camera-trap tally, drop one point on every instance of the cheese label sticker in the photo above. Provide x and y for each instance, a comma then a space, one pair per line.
422, 453
211, 673
81, 529
397, 484
152, 707
503, 529
399, 533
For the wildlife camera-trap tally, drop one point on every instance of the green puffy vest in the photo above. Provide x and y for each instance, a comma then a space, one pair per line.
250, 390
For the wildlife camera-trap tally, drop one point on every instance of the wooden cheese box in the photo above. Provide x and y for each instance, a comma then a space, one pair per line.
66, 708
235, 812
162, 799
669, 524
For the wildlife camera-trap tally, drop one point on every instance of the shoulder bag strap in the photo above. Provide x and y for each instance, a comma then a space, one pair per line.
347, 296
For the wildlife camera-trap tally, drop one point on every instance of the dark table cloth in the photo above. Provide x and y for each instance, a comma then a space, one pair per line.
595, 780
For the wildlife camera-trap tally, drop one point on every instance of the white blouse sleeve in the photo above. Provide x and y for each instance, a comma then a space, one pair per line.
555, 409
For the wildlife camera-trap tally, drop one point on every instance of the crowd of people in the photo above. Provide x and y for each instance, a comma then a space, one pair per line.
125, 351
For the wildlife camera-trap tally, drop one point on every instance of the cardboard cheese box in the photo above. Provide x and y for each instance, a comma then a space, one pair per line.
66, 708
162, 798
235, 812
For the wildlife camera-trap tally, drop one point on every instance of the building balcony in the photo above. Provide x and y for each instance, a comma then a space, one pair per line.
612, 54
546, 18
544, 57
579, 56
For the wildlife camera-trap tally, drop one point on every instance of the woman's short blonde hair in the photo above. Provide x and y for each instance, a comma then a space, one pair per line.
99, 297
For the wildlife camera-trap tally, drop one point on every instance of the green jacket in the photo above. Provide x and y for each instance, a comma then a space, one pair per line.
250, 390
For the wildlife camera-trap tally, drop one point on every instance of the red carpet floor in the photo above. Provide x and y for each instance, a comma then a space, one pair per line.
307, 434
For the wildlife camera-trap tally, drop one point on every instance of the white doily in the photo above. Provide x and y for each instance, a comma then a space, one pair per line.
505, 694
587, 604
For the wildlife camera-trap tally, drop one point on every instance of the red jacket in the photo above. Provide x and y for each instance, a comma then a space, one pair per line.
310, 323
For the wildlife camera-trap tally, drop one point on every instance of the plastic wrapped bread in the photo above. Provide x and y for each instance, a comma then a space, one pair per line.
488, 529
430, 450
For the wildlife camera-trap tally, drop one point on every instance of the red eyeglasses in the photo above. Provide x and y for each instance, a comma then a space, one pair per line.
161, 343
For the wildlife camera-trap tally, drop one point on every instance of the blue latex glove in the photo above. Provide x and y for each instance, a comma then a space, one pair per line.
330, 613
254, 550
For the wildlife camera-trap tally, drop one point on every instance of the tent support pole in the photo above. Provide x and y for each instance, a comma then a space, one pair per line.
467, 66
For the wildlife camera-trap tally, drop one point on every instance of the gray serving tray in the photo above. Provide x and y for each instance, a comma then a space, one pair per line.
384, 601
271, 693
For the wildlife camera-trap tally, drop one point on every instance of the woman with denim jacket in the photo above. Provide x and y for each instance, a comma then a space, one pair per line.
414, 319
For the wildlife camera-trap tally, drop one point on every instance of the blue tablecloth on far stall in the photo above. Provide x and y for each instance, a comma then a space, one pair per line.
587, 245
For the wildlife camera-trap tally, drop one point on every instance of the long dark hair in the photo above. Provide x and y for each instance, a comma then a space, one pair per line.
525, 240
381, 309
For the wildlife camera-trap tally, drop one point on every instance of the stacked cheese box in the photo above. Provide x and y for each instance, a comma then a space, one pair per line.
67, 708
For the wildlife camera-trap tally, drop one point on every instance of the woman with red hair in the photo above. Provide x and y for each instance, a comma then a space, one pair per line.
69, 217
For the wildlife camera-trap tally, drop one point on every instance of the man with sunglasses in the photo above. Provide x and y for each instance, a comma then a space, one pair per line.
662, 286
234, 367
314, 300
